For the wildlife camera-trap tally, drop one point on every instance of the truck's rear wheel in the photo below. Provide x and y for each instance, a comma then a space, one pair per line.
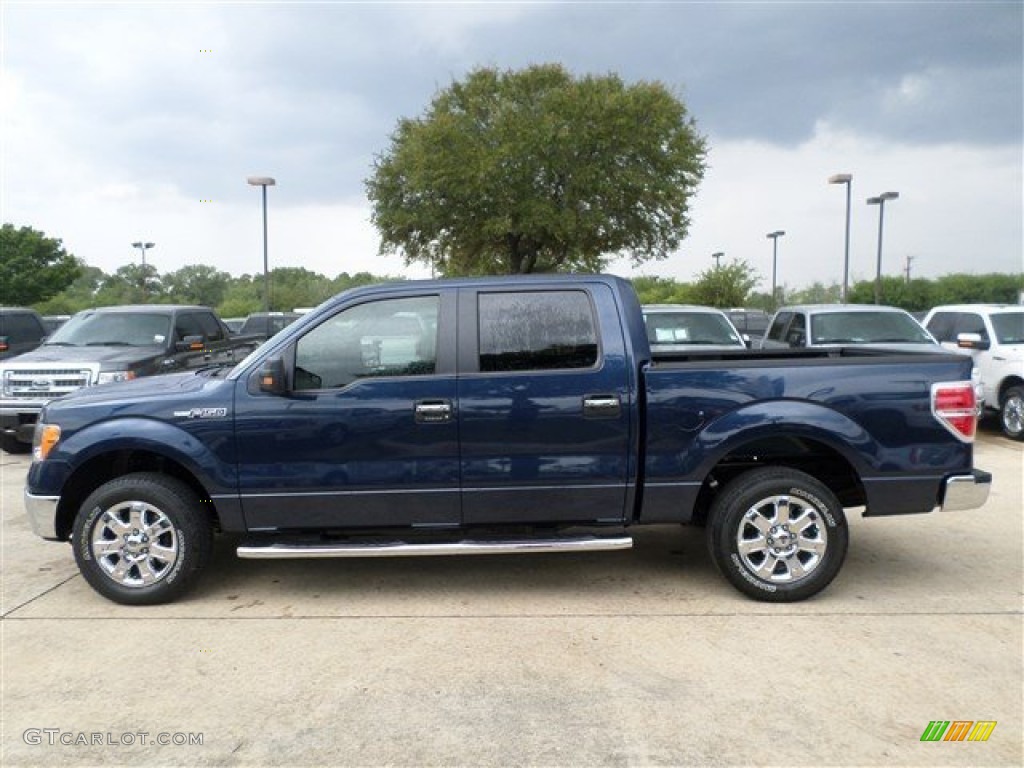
142, 539
1011, 413
777, 534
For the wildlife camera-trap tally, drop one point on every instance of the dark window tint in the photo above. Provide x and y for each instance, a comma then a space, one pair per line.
779, 325
21, 327
943, 326
211, 328
796, 334
969, 322
187, 324
536, 331
1009, 327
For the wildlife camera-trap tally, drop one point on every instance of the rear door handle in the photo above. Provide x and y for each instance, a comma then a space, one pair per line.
433, 411
602, 406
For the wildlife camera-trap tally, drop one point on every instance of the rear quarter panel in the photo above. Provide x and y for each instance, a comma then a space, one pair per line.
874, 412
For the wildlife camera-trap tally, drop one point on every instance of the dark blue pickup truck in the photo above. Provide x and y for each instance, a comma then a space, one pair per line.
499, 415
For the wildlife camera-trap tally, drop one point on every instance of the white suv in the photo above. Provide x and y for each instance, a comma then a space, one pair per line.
993, 334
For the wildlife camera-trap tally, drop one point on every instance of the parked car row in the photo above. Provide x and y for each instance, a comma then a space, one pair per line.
993, 335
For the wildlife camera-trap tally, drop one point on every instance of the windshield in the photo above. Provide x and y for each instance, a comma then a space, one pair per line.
113, 329
690, 328
867, 328
1009, 327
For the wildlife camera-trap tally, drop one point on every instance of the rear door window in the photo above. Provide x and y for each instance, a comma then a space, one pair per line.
536, 331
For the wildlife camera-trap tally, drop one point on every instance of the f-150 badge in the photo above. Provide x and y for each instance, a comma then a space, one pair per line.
202, 413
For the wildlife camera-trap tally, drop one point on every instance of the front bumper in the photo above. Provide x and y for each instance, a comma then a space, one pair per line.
19, 422
42, 515
966, 491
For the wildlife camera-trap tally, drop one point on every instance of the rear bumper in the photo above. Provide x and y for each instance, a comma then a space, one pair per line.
966, 491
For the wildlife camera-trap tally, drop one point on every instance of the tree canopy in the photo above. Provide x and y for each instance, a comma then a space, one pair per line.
34, 267
727, 286
537, 171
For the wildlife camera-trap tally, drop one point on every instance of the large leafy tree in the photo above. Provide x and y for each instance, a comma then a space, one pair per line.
725, 286
33, 267
536, 171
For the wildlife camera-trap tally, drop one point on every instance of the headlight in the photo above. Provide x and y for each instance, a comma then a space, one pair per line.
107, 377
43, 440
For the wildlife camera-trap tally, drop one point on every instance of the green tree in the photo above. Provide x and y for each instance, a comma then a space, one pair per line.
131, 284
244, 295
196, 284
33, 267
81, 294
662, 290
816, 293
725, 286
537, 171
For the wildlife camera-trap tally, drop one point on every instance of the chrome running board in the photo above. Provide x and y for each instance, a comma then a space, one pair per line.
390, 548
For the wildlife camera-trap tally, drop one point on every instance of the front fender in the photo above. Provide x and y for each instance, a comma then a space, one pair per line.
215, 472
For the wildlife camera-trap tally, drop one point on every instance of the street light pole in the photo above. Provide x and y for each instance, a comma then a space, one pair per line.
143, 247
847, 179
264, 182
717, 256
774, 237
880, 202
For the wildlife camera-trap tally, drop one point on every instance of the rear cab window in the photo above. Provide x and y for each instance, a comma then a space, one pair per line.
536, 331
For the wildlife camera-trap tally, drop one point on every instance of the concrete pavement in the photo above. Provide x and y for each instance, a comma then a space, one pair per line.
643, 657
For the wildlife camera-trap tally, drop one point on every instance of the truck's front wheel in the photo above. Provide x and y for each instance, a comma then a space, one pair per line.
777, 534
1011, 413
142, 539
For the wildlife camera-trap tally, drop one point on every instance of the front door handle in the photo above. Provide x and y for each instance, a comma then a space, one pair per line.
433, 411
602, 406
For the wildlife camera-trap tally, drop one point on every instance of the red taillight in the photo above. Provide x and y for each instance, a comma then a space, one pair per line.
954, 405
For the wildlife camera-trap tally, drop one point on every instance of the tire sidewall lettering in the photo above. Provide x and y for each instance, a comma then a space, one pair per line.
746, 574
819, 506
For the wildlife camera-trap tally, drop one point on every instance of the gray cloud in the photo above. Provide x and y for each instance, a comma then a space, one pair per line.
311, 92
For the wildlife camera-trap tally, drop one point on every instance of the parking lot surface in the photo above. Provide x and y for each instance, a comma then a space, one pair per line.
642, 657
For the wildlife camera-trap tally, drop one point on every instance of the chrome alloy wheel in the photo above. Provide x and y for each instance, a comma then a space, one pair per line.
1013, 414
134, 543
782, 539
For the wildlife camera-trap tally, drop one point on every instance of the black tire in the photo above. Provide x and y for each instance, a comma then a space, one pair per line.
1011, 413
142, 539
11, 444
800, 555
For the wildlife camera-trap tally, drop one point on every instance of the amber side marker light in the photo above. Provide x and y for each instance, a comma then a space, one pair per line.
45, 438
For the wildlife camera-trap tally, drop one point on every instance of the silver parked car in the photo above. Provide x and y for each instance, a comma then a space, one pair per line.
845, 325
687, 328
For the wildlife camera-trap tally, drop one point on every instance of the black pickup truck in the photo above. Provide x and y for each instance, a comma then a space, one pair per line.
100, 346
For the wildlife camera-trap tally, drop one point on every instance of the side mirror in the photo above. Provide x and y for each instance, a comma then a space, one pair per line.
272, 377
191, 344
972, 341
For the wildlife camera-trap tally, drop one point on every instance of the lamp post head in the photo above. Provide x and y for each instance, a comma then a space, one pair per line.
776, 234
717, 254
261, 181
883, 197
840, 178
143, 246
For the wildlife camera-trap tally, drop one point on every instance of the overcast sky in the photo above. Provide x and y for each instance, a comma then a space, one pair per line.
141, 121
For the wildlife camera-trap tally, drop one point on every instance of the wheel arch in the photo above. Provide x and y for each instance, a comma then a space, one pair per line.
1007, 383
103, 454
803, 436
